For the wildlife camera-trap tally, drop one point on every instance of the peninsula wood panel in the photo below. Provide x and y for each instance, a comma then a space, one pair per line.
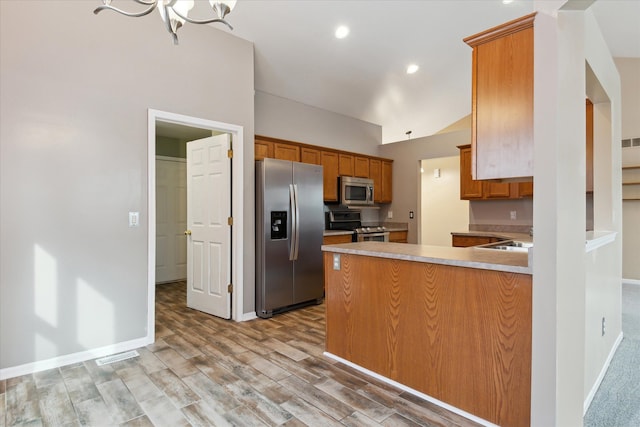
460, 335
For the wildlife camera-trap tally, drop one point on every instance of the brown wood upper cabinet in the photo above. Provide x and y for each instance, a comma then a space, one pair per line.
386, 192
381, 171
263, 148
310, 155
334, 162
330, 173
346, 164
502, 101
286, 151
471, 189
361, 166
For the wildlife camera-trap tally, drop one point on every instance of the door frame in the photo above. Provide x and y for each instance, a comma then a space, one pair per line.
237, 205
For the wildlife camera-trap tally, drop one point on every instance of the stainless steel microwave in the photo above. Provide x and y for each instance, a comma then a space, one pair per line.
356, 191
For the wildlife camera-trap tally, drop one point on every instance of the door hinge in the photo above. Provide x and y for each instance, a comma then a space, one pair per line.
230, 288
230, 220
230, 154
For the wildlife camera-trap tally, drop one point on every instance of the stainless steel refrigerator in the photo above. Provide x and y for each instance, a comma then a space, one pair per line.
289, 229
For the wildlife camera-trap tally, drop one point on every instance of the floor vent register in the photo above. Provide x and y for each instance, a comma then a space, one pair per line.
117, 358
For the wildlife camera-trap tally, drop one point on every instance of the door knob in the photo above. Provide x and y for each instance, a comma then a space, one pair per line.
187, 233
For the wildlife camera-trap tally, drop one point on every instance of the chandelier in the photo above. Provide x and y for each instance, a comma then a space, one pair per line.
174, 13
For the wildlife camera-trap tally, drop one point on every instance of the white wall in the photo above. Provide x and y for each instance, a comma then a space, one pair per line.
561, 352
629, 69
406, 157
631, 221
74, 98
442, 211
285, 119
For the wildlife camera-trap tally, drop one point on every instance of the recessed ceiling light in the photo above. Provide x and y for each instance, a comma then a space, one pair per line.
342, 31
412, 68
507, 1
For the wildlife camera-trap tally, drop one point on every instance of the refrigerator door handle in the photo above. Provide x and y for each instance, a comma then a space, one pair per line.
294, 222
297, 222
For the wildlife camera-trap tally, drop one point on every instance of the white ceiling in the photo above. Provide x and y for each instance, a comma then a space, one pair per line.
363, 76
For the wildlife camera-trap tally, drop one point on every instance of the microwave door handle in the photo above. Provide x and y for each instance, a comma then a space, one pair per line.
369, 193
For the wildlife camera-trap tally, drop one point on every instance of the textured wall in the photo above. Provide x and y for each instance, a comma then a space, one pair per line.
75, 93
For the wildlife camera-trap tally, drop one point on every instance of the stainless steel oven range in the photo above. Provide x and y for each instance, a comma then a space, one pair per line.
350, 219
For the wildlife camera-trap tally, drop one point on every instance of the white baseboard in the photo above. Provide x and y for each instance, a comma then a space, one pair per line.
417, 393
56, 362
603, 371
631, 282
249, 316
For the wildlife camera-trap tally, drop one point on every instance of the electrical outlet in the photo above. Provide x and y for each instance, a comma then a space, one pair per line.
336, 262
603, 326
514, 215
390, 214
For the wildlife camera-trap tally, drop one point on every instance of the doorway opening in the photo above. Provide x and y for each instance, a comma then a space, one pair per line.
194, 128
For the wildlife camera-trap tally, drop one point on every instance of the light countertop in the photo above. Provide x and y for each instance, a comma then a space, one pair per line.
480, 258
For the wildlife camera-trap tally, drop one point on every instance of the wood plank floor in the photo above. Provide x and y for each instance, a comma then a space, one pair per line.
204, 371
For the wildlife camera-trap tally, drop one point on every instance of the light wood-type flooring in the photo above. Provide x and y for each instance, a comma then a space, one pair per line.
204, 371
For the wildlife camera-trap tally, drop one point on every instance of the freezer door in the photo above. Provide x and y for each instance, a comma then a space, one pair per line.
308, 274
274, 281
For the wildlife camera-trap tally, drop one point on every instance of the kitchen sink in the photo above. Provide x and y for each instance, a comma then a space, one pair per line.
509, 245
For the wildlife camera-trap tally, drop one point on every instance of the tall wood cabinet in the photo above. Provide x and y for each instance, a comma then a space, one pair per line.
502, 100
330, 173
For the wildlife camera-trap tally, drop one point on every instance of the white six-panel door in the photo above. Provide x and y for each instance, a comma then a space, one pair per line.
171, 220
208, 231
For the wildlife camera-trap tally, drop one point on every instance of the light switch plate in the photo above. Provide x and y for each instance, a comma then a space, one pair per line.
134, 219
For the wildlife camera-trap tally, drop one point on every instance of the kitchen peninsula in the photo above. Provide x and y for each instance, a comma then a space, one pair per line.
453, 324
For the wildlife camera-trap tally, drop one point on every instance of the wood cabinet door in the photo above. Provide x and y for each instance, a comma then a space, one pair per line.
502, 101
387, 182
375, 173
286, 152
330, 173
398, 236
525, 189
361, 167
496, 190
469, 188
340, 238
346, 165
310, 155
263, 149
